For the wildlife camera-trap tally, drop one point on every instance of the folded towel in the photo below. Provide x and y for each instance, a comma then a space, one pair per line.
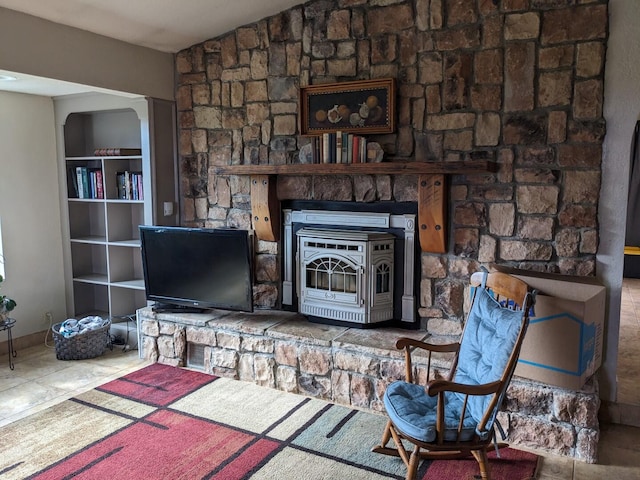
72, 327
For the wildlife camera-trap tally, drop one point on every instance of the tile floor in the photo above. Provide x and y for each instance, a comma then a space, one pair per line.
39, 381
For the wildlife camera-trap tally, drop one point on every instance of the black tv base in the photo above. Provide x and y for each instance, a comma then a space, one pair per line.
169, 308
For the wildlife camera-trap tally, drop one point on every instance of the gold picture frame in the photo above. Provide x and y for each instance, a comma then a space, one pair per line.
363, 106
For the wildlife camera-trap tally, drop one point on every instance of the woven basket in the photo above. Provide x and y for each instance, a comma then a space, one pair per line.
89, 344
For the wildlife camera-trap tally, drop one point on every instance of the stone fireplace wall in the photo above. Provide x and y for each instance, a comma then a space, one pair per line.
515, 81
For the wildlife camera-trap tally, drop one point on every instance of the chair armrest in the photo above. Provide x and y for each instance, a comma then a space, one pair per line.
410, 344
436, 386
432, 347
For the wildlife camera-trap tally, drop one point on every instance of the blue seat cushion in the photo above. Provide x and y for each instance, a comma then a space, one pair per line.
413, 412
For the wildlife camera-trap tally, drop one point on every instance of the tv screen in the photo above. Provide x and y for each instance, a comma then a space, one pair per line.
197, 268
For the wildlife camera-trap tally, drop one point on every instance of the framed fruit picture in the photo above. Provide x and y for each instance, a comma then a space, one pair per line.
366, 106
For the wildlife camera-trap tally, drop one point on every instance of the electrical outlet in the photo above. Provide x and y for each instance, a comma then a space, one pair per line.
48, 317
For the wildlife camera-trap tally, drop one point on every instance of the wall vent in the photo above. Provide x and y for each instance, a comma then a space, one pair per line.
195, 356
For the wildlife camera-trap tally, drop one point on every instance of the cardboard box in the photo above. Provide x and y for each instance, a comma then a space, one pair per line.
563, 344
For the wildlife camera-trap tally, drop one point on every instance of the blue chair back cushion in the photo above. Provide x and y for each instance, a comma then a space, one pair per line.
490, 335
489, 339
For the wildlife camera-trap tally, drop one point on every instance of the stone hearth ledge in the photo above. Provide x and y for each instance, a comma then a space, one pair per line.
353, 366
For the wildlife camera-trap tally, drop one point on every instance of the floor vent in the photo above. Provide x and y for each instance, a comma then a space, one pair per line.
195, 356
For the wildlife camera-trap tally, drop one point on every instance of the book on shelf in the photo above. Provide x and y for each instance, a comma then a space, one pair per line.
116, 152
136, 186
95, 174
72, 183
82, 180
345, 148
87, 183
332, 148
355, 149
79, 184
99, 184
316, 145
362, 154
139, 184
129, 185
121, 185
92, 183
325, 148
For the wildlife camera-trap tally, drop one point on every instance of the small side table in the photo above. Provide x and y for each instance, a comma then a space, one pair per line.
7, 325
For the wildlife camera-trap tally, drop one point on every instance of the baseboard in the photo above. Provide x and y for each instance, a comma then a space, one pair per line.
620, 413
25, 341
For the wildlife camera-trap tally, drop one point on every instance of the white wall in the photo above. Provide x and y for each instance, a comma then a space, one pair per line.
30, 211
46, 49
621, 111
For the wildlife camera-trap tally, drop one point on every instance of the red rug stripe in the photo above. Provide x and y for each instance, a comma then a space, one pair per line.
189, 448
157, 384
512, 465
247, 460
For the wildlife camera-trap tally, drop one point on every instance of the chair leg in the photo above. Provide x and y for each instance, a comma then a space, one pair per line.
386, 435
412, 467
411, 461
483, 462
382, 447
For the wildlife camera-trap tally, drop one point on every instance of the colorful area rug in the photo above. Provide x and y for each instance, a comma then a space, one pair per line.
164, 422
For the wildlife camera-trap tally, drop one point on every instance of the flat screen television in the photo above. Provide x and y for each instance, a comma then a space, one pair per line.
195, 269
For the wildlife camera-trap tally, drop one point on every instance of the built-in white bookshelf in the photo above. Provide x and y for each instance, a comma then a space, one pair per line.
103, 259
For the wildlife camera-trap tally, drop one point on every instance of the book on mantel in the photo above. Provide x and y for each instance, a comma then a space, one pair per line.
341, 147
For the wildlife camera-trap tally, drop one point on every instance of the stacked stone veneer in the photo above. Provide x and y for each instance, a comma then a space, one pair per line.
353, 367
515, 81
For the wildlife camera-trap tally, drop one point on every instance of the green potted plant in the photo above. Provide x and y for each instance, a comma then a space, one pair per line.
6, 304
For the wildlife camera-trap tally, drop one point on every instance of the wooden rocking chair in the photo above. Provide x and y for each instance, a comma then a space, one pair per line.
454, 417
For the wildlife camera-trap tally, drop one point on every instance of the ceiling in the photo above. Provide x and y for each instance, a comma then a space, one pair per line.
165, 25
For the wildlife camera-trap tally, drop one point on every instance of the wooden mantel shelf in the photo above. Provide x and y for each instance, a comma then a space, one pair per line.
432, 198
382, 168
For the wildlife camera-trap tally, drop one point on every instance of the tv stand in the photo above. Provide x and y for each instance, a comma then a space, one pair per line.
169, 308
